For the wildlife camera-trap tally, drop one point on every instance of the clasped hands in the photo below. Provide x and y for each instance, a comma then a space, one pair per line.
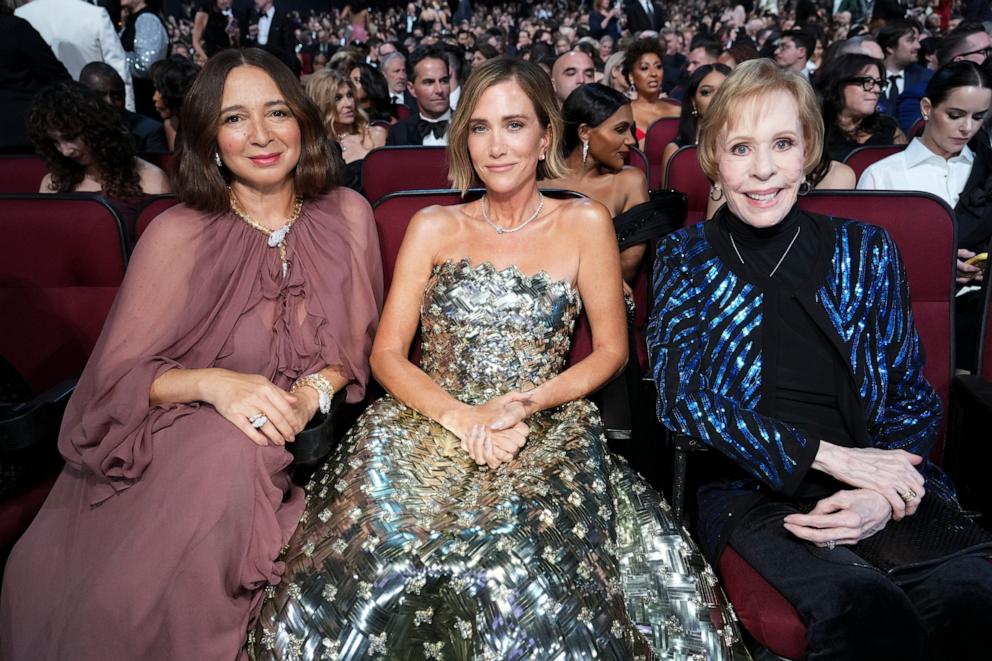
887, 486
238, 397
492, 433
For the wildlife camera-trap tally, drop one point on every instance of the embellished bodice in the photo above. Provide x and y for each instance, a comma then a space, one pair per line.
486, 331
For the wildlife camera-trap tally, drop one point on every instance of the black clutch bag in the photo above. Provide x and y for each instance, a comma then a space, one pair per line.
908, 550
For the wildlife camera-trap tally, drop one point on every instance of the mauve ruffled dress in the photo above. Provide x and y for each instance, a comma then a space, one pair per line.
166, 522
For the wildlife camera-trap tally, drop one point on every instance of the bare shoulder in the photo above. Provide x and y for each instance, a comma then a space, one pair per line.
378, 134
46, 184
154, 180
840, 176
586, 215
435, 220
632, 177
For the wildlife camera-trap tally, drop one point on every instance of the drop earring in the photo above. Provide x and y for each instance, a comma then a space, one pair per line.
217, 160
716, 192
694, 112
585, 152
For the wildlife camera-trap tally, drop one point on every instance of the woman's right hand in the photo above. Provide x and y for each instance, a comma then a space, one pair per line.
891, 473
238, 397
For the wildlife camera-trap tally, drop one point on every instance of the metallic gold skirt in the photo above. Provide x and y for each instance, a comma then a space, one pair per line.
408, 550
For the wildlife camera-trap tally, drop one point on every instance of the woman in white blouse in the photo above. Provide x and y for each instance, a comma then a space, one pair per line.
940, 161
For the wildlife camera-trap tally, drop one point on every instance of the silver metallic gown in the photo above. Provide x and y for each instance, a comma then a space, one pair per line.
408, 550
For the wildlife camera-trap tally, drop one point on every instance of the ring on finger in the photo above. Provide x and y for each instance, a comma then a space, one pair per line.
258, 420
831, 544
909, 495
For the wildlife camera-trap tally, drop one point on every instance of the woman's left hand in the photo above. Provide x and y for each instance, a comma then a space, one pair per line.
846, 517
508, 410
304, 408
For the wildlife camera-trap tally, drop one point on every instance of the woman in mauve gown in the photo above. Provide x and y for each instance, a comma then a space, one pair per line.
474, 512
167, 521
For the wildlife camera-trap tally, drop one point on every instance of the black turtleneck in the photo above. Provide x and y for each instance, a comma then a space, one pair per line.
805, 379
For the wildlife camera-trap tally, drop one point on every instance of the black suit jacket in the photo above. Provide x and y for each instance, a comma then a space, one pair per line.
887, 10
638, 20
281, 41
405, 132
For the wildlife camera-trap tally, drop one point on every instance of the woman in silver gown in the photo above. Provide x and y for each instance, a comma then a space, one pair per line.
475, 512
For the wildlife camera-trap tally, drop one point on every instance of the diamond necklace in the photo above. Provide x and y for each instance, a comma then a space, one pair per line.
501, 230
780, 260
277, 238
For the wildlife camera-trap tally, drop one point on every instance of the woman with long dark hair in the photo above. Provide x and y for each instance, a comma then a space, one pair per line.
849, 87
243, 310
88, 149
595, 143
172, 78
699, 91
372, 92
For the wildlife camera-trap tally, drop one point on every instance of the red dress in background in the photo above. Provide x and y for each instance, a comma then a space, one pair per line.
166, 522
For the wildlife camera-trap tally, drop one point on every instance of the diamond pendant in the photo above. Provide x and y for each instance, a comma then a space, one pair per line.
277, 236
499, 230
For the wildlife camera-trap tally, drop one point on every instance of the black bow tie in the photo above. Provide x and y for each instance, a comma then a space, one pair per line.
437, 128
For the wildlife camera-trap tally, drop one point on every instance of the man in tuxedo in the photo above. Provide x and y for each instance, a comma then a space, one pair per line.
79, 33
271, 30
394, 68
147, 134
906, 81
429, 84
644, 15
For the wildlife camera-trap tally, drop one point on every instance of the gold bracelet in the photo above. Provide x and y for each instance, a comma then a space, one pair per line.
323, 386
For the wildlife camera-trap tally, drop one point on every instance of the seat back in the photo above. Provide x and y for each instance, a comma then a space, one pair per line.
862, 157
924, 231
984, 359
659, 134
636, 159
21, 174
153, 206
917, 129
57, 281
685, 175
392, 216
391, 169
400, 111
166, 161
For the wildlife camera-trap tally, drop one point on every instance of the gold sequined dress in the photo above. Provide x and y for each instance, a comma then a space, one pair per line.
408, 550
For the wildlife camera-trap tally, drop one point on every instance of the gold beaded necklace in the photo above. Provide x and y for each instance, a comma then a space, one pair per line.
277, 238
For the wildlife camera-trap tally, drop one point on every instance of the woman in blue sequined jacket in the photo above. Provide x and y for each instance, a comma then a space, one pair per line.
785, 341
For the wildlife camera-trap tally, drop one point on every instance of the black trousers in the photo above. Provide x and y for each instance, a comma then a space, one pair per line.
853, 611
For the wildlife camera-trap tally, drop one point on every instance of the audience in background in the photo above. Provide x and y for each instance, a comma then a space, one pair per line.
147, 134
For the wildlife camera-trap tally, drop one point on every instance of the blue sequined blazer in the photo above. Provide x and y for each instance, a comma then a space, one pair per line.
704, 342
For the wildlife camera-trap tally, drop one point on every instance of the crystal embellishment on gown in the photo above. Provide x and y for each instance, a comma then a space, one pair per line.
562, 554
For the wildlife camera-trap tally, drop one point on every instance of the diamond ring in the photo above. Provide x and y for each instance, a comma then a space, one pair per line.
909, 495
258, 420
831, 544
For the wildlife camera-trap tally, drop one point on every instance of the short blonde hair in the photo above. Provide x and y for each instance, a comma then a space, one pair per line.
536, 85
752, 81
322, 87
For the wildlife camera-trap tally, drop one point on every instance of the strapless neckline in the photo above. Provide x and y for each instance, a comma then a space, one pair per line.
511, 269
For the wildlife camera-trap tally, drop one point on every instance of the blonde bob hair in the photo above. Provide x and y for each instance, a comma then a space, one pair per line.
536, 85
322, 88
754, 81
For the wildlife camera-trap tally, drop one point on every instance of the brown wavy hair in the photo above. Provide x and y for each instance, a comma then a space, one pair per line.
71, 110
199, 182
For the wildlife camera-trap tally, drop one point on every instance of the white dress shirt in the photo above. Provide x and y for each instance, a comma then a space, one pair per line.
916, 168
429, 139
264, 23
79, 33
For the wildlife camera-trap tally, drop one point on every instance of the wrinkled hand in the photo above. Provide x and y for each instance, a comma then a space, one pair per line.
238, 397
892, 473
846, 517
967, 272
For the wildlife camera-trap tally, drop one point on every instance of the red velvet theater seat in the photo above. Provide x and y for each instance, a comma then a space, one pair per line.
862, 157
152, 208
685, 176
57, 281
21, 174
659, 134
392, 169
